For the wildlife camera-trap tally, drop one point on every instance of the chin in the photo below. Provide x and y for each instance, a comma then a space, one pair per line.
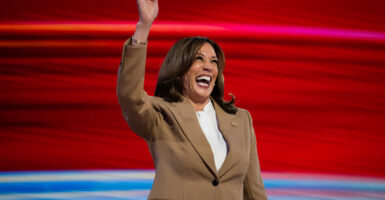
204, 95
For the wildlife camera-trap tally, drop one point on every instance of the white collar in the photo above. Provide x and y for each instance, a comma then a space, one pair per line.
208, 107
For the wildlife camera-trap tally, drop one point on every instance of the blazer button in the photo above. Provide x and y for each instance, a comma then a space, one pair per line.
215, 182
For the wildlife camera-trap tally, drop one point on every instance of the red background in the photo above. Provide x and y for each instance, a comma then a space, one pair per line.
312, 74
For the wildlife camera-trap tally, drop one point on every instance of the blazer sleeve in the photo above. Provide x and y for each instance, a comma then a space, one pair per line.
253, 188
136, 105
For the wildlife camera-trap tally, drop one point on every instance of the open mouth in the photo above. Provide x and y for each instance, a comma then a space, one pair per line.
203, 80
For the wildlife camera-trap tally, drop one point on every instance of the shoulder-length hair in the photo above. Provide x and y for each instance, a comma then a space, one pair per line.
178, 61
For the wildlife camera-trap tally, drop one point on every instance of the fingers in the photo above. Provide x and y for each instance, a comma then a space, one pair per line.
148, 10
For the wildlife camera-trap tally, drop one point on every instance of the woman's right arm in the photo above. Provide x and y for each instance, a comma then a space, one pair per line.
134, 101
148, 11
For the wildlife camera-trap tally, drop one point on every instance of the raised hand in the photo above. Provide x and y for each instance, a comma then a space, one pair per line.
148, 11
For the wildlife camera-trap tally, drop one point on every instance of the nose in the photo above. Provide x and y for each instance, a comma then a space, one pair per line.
208, 66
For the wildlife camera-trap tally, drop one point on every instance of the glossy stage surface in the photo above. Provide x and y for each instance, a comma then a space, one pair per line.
136, 184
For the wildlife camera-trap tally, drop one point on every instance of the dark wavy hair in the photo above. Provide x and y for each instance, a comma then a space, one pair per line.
178, 61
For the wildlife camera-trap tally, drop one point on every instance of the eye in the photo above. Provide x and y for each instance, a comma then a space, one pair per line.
215, 61
199, 58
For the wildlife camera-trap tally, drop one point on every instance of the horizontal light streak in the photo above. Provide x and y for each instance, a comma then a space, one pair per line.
272, 180
173, 28
89, 195
136, 184
57, 43
74, 176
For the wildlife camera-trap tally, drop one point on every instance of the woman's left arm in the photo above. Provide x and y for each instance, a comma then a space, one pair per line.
253, 187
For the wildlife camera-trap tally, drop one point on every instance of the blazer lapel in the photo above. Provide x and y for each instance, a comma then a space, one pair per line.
228, 127
188, 121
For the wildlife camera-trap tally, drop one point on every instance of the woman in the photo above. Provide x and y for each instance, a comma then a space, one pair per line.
202, 147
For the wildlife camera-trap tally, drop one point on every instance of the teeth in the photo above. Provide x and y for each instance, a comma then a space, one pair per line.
206, 78
203, 84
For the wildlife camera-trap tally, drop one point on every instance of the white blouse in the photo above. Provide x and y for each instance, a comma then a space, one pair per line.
208, 122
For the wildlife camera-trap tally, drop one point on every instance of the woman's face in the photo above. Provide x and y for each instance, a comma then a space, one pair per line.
199, 81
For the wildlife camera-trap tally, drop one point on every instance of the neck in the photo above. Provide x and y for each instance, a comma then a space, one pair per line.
199, 105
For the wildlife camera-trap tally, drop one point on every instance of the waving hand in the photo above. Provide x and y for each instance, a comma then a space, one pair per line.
148, 11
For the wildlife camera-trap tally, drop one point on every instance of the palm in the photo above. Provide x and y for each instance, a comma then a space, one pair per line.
148, 10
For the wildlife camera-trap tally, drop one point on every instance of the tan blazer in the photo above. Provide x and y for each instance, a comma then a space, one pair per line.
183, 159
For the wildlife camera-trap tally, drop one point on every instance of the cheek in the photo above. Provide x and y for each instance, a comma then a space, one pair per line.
187, 81
215, 72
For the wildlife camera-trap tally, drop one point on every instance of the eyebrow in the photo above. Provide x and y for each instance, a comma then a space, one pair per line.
200, 54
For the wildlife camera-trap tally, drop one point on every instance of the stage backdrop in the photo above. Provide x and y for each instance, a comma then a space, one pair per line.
311, 73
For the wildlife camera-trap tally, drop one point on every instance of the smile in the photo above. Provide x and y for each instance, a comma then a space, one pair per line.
203, 80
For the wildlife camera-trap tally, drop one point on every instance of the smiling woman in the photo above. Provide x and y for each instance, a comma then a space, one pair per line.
202, 147
198, 82
193, 68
